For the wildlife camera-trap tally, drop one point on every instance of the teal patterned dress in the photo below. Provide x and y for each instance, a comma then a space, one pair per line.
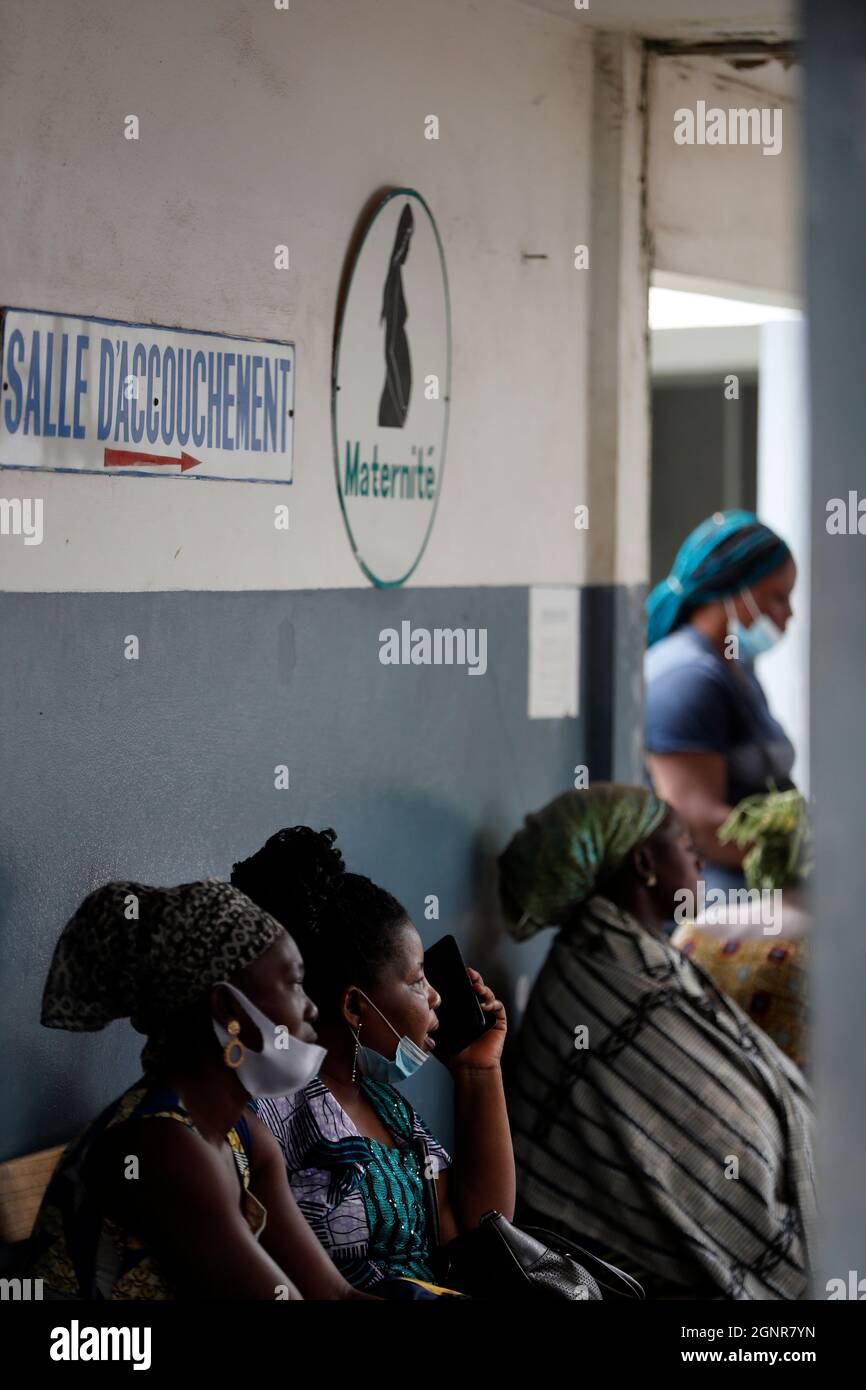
364, 1200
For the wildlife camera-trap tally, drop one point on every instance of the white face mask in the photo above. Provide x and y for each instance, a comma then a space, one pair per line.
409, 1057
279, 1069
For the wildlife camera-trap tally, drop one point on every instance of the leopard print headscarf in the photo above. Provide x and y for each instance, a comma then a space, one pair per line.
144, 953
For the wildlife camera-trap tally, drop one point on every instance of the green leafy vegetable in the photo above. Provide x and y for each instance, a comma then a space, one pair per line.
776, 826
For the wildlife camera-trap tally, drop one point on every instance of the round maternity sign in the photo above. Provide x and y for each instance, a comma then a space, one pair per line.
391, 383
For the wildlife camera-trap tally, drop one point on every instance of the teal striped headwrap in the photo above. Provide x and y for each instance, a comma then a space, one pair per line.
566, 851
726, 553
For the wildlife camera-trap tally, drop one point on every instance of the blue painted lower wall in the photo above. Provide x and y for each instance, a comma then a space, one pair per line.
162, 769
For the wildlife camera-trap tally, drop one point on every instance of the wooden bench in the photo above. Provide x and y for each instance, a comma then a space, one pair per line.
22, 1185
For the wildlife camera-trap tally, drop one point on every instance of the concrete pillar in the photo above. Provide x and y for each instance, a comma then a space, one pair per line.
617, 396
836, 279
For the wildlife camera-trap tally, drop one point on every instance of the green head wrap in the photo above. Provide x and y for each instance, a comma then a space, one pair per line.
568, 849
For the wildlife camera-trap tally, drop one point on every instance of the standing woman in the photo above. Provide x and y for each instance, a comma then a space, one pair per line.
710, 737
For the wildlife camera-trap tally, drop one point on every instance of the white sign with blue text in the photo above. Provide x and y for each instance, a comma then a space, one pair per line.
391, 388
96, 396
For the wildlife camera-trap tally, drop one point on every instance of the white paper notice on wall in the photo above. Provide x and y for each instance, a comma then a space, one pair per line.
554, 652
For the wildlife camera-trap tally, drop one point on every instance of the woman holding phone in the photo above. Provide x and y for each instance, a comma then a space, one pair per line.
355, 1151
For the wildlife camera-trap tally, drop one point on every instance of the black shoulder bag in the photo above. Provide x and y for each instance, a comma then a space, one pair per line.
499, 1260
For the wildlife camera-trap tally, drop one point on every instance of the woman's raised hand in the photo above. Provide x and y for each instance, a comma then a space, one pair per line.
486, 1051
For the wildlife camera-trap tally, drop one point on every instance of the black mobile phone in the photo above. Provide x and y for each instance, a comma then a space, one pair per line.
461, 1017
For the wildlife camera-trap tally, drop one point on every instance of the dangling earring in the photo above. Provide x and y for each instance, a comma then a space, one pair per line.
355, 1058
651, 881
234, 1028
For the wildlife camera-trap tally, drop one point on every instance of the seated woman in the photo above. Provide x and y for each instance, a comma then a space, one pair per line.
756, 948
649, 1115
767, 978
355, 1150
140, 1209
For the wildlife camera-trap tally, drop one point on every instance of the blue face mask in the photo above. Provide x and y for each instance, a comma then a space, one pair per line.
760, 637
405, 1063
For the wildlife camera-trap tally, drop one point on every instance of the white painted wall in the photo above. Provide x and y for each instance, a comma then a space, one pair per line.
784, 503
725, 219
723, 212
260, 127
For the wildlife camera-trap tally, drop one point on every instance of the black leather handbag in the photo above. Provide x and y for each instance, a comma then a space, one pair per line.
499, 1260
496, 1260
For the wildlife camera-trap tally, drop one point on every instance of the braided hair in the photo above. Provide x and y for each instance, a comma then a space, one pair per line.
344, 924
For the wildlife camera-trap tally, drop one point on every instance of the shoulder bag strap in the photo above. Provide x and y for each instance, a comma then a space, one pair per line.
428, 1184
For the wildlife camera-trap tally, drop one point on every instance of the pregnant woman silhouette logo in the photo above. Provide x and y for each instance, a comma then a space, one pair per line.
394, 405
389, 396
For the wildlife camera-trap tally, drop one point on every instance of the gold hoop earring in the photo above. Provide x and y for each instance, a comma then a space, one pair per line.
234, 1028
651, 881
355, 1058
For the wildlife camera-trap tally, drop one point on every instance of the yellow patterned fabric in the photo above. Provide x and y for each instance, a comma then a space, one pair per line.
767, 977
79, 1251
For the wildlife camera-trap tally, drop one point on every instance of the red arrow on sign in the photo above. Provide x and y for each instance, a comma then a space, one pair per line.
120, 458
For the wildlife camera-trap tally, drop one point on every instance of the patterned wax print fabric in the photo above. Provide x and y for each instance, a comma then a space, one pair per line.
78, 1250
364, 1201
142, 953
767, 977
